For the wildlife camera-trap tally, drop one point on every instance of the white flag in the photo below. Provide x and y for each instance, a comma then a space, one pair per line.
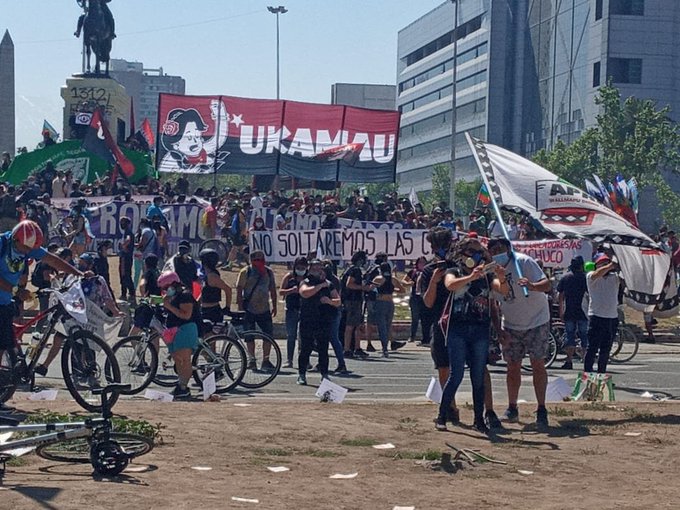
413, 197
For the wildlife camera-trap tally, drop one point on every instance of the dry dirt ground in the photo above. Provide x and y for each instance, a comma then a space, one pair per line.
586, 460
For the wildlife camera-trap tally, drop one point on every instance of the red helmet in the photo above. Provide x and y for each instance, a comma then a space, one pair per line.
27, 233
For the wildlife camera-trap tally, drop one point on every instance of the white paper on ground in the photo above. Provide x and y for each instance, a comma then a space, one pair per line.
339, 476
18, 452
201, 468
633, 434
525, 472
278, 469
404, 508
385, 446
5, 437
434, 391
557, 390
647, 394
244, 500
161, 396
331, 392
44, 395
209, 385
243, 405
522, 401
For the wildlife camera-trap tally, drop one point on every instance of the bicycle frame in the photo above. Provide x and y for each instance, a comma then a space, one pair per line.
63, 432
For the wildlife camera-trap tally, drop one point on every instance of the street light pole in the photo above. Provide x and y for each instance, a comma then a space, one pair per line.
278, 10
452, 173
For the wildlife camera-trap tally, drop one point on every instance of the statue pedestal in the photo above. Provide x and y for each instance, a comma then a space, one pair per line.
82, 94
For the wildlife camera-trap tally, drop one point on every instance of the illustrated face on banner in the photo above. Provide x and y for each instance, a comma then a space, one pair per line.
191, 143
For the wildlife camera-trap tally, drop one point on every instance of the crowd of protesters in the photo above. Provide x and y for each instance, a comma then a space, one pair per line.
456, 299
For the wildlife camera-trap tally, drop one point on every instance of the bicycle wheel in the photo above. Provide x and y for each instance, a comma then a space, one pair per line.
260, 348
550, 357
138, 362
166, 375
626, 345
7, 383
223, 356
557, 331
87, 363
78, 450
219, 246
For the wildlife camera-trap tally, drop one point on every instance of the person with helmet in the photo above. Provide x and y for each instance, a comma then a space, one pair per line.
181, 335
211, 294
96, 290
22, 243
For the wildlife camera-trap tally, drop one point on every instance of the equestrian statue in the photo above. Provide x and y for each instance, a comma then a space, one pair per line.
99, 29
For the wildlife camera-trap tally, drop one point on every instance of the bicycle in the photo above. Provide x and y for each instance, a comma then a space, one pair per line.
83, 356
144, 359
624, 349
92, 440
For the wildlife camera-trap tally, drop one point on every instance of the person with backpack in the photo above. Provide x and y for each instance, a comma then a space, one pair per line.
256, 295
289, 291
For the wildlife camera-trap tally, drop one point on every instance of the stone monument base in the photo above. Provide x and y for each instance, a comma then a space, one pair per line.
85, 92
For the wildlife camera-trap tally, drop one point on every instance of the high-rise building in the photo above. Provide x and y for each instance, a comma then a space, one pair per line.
144, 85
7, 111
363, 95
527, 74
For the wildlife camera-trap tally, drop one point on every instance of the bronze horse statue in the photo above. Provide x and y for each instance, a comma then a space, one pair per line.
98, 28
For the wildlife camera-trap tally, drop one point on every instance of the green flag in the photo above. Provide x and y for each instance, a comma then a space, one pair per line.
69, 155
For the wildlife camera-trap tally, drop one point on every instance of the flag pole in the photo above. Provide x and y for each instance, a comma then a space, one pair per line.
497, 210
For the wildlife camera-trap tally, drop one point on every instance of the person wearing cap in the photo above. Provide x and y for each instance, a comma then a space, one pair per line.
126, 246
318, 304
183, 264
603, 318
571, 290
524, 327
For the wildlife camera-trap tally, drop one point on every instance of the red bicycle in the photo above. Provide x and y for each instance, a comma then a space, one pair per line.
87, 361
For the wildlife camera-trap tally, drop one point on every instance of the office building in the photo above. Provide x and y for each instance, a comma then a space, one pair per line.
7, 106
527, 74
376, 97
144, 85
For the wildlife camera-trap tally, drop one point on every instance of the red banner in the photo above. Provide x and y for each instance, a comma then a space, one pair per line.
232, 135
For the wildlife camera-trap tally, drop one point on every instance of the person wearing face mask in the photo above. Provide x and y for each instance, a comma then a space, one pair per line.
371, 329
525, 325
181, 335
467, 324
183, 264
416, 299
258, 225
386, 285
352, 293
317, 306
126, 246
336, 318
101, 261
256, 295
289, 291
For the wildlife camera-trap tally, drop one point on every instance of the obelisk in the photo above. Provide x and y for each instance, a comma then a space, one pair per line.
7, 112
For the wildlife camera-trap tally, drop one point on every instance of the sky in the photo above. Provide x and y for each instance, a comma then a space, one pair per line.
219, 46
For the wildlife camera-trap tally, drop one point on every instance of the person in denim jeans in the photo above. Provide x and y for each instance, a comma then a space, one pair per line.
571, 289
335, 320
289, 290
386, 284
467, 328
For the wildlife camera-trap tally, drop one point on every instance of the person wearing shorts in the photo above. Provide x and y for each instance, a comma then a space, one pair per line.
525, 325
352, 288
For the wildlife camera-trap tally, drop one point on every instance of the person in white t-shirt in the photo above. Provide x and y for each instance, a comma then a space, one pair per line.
256, 200
525, 326
603, 317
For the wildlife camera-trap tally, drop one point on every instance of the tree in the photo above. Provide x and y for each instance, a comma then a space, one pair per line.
631, 138
441, 184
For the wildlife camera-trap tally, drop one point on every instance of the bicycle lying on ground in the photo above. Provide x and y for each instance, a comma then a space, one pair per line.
83, 358
92, 440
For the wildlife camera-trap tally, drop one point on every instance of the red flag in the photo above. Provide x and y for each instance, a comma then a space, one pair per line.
148, 133
349, 153
99, 141
132, 116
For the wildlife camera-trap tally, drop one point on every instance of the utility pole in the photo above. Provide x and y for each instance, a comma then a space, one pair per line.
278, 10
452, 172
